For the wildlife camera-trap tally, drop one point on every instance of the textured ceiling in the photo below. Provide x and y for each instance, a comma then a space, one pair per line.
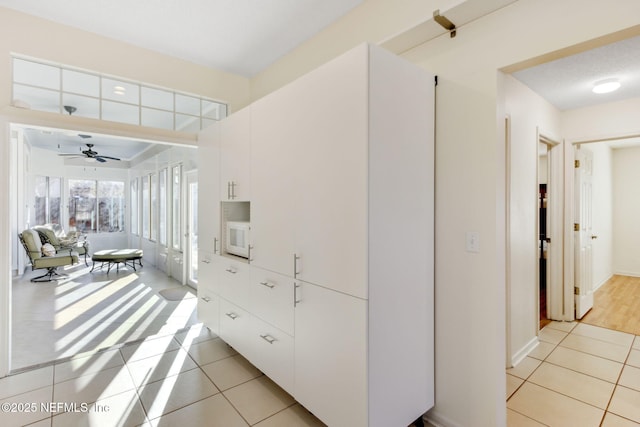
567, 82
239, 36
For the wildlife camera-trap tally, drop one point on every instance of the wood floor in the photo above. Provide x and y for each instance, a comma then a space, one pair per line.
617, 305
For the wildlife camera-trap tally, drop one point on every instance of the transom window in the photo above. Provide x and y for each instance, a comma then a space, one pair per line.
60, 89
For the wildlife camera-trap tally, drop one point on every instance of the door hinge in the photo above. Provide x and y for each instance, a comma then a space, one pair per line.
576, 290
576, 227
576, 163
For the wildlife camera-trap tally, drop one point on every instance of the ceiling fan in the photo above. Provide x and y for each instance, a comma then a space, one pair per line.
90, 154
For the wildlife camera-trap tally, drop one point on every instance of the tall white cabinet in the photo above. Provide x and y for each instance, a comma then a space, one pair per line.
340, 278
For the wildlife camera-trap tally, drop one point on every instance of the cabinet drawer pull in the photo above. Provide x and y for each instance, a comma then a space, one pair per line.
206, 299
268, 338
268, 285
232, 316
215, 245
231, 270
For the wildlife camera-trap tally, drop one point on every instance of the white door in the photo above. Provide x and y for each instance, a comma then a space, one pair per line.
583, 229
192, 230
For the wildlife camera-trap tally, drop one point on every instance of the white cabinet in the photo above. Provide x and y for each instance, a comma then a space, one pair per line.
273, 164
330, 128
233, 278
208, 189
271, 298
336, 303
235, 145
265, 346
331, 354
208, 300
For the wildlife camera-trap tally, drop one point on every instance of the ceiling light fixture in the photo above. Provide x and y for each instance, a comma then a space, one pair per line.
606, 86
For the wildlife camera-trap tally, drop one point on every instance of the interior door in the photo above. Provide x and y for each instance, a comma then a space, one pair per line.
192, 230
583, 229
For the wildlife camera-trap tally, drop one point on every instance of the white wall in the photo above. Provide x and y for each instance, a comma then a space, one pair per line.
529, 115
626, 211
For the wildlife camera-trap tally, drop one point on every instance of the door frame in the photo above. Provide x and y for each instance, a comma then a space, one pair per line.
556, 297
570, 149
191, 177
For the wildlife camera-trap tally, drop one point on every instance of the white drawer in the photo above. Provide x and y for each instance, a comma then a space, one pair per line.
207, 272
235, 326
271, 298
209, 309
233, 280
272, 353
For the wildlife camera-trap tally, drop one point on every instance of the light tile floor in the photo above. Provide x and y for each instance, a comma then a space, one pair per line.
173, 376
86, 312
579, 375
191, 378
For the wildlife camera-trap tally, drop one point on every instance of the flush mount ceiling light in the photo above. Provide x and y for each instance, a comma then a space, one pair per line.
606, 86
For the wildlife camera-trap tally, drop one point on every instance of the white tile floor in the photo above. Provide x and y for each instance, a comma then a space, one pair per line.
191, 378
171, 375
86, 312
579, 375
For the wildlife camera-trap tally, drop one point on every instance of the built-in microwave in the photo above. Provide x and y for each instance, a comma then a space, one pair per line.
238, 238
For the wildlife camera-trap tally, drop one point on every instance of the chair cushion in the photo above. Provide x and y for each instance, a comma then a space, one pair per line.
33, 243
48, 249
48, 235
57, 260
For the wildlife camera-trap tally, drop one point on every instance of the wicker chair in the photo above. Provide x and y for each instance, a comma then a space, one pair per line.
30, 239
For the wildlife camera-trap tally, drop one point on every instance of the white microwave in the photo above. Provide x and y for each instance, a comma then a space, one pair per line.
238, 238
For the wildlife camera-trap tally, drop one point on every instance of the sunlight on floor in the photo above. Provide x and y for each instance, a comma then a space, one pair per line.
84, 301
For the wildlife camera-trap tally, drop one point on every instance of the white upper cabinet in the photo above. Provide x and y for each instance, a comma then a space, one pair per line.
330, 122
273, 174
235, 146
208, 187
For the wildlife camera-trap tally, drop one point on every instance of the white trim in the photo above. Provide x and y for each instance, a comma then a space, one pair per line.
5, 251
438, 420
524, 351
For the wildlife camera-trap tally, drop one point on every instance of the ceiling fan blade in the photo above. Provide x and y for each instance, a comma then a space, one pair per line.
100, 159
108, 157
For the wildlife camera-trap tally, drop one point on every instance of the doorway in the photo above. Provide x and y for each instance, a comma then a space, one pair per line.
543, 232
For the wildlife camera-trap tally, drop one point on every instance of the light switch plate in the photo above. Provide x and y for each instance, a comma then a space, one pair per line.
473, 241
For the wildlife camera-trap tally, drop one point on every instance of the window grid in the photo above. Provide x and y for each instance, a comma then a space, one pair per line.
17, 83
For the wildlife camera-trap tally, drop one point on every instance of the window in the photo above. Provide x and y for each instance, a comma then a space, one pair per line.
96, 206
134, 206
146, 207
154, 210
48, 202
176, 195
162, 207
110, 206
64, 90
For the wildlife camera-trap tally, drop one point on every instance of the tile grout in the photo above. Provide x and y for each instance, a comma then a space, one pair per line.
559, 344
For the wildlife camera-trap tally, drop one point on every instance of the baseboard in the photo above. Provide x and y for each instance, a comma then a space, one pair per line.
524, 351
627, 273
603, 282
437, 420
